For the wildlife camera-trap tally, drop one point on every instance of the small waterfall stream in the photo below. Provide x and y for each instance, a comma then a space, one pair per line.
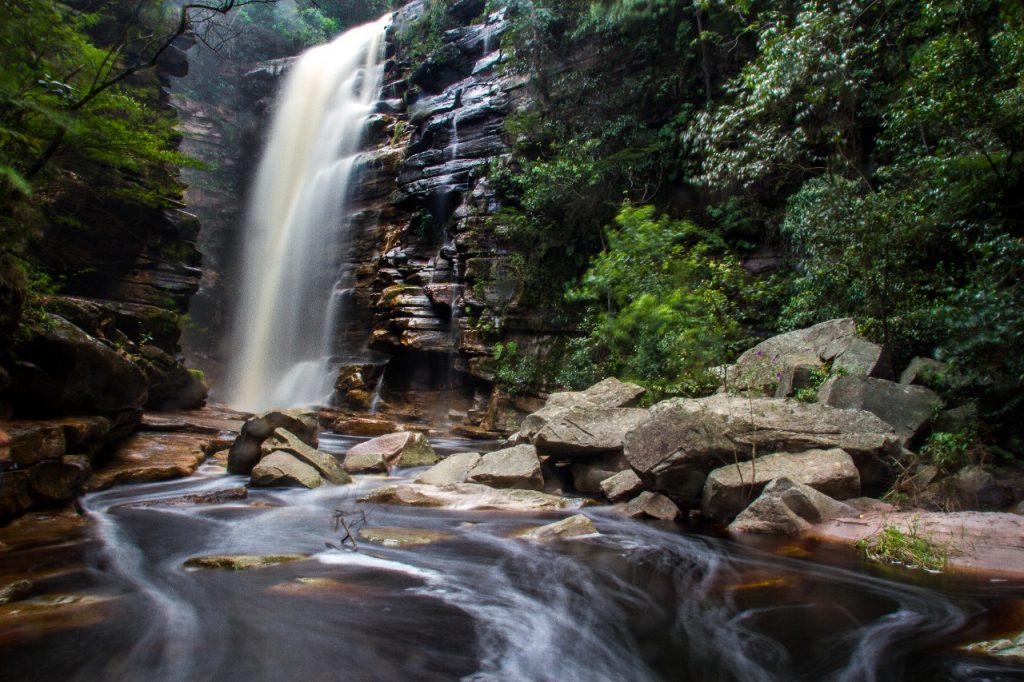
296, 232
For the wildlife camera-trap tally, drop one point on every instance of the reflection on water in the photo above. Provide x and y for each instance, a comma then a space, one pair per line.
642, 601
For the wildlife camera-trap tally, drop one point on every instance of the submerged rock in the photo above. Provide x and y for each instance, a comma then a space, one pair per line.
729, 488
786, 508
282, 469
516, 467
469, 496
452, 469
15, 591
401, 537
241, 562
572, 527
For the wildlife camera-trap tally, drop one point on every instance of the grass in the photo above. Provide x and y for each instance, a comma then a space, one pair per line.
910, 549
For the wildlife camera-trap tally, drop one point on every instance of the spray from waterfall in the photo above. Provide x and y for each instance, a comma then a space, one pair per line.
296, 230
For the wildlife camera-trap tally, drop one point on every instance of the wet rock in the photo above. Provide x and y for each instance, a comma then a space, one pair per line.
906, 408
215, 497
986, 543
56, 481
1011, 648
325, 464
729, 488
381, 454
452, 469
15, 591
469, 496
653, 505
31, 442
145, 457
364, 426
584, 431
241, 562
622, 485
49, 614
516, 467
402, 537
786, 507
247, 448
282, 469
15, 495
572, 527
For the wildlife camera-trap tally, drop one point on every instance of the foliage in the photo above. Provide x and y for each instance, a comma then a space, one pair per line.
910, 549
665, 303
950, 451
517, 373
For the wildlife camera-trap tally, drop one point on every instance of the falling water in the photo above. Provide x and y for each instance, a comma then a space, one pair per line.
296, 227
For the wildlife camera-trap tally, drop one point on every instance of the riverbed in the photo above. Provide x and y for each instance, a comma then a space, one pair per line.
113, 600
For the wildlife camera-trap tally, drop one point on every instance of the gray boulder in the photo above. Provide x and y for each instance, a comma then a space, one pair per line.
622, 485
588, 475
786, 508
381, 454
729, 488
452, 469
582, 431
610, 393
653, 505
906, 408
325, 464
282, 469
686, 438
834, 341
924, 372
515, 467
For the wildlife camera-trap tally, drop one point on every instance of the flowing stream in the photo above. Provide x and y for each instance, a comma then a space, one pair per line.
296, 232
640, 601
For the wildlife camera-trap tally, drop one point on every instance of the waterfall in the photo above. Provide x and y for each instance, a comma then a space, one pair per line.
296, 231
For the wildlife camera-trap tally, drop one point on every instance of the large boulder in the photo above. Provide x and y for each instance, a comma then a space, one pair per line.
467, 496
729, 488
452, 469
786, 507
247, 449
907, 408
63, 370
582, 431
686, 438
282, 469
515, 467
784, 358
610, 393
325, 464
381, 454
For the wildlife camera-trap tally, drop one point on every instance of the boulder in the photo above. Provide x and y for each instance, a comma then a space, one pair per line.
381, 454
905, 407
149, 456
607, 393
688, 437
729, 488
622, 485
469, 496
282, 469
653, 505
62, 370
582, 431
924, 372
248, 446
960, 418
572, 527
325, 464
786, 507
452, 469
515, 467
834, 341
401, 537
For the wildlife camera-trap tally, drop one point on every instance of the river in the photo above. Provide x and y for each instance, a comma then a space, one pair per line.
640, 601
